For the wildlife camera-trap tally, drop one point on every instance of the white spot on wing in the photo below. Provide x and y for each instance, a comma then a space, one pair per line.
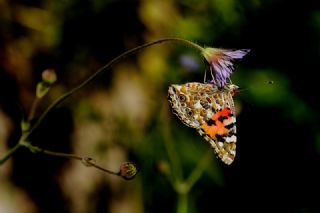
231, 139
209, 114
225, 158
197, 105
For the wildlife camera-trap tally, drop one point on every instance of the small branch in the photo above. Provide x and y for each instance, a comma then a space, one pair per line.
9, 153
174, 160
105, 170
198, 171
33, 108
182, 205
127, 170
87, 161
173, 157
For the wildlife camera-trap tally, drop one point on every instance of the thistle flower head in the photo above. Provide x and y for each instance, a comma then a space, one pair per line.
221, 63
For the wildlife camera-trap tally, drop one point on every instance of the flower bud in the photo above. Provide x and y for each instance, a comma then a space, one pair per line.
49, 76
128, 170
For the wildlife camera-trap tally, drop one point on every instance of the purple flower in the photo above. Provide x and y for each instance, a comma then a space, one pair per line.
221, 63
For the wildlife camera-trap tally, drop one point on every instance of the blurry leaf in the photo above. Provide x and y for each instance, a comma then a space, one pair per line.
228, 10
298, 110
159, 16
267, 87
41, 20
190, 27
272, 88
153, 63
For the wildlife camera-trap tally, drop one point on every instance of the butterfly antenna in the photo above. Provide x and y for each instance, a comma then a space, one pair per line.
241, 89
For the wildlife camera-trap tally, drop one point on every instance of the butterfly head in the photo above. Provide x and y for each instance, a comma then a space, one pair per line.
232, 88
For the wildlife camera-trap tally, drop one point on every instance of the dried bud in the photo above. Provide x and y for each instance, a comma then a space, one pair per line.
49, 76
128, 170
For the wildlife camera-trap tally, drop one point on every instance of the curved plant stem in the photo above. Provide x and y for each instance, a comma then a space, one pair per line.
63, 97
105, 67
87, 161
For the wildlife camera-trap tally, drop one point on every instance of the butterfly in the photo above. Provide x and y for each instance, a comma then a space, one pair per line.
210, 110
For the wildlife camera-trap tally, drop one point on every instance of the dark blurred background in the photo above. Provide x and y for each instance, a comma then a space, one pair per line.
123, 115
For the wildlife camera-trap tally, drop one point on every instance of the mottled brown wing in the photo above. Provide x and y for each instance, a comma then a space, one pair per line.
209, 110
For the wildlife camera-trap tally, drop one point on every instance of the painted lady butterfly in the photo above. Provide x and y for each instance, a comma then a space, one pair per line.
210, 111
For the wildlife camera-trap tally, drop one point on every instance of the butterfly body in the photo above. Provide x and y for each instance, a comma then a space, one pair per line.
210, 110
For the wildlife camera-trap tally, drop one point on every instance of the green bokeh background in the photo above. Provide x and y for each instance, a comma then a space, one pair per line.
123, 115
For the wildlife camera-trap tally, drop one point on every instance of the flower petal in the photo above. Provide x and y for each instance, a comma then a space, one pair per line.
221, 63
236, 54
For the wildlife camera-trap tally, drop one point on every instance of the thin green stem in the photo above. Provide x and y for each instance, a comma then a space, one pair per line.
198, 171
33, 108
173, 157
63, 97
36, 149
176, 168
9, 153
105, 170
85, 160
183, 187
182, 206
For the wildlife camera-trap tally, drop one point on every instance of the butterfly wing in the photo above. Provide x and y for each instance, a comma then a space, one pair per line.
184, 102
209, 110
220, 129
